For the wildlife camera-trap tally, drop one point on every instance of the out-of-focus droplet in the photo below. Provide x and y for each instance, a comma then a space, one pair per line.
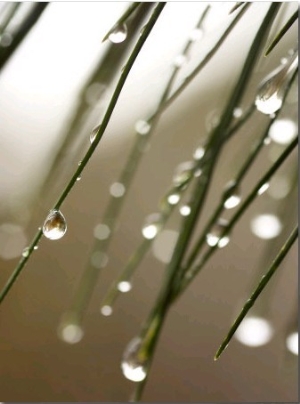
292, 342
106, 310
101, 231
283, 131
196, 34
267, 141
79, 163
117, 189
71, 333
199, 153
237, 112
183, 173
214, 237
263, 188
233, 195
55, 225
271, 91
78, 178
25, 252
173, 199
179, 61
152, 226
142, 127
185, 210
36, 247
119, 34
133, 363
266, 226
124, 286
94, 133
280, 186
99, 259
254, 331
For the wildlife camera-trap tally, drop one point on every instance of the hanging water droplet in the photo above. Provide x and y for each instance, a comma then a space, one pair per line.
214, 237
173, 199
233, 195
142, 127
106, 310
71, 333
153, 224
134, 363
199, 153
55, 225
119, 34
183, 173
196, 34
185, 210
117, 190
94, 133
271, 91
25, 252
124, 286
263, 188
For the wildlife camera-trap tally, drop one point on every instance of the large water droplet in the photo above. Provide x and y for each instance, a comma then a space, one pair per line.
266, 226
183, 173
25, 252
283, 131
55, 225
271, 91
133, 365
152, 225
119, 34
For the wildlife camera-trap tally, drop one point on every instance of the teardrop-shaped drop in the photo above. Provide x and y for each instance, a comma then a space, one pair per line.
183, 173
271, 91
134, 364
55, 225
119, 34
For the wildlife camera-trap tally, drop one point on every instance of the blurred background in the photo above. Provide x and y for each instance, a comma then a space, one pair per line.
42, 86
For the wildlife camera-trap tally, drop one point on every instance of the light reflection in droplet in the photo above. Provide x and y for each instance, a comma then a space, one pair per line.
117, 189
292, 343
124, 286
101, 231
266, 226
283, 131
119, 34
106, 311
254, 331
71, 333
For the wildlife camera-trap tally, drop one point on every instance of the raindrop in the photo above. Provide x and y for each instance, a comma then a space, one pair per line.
254, 331
133, 365
124, 286
94, 134
183, 173
237, 112
199, 153
152, 226
185, 210
101, 231
267, 141
173, 199
117, 190
233, 195
263, 188
106, 310
25, 252
119, 34
266, 226
55, 225
271, 91
214, 237
71, 333
142, 127
283, 131
78, 178
35, 247
292, 342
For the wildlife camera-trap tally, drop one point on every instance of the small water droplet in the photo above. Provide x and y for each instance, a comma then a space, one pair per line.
233, 195
263, 188
133, 364
117, 190
142, 127
94, 134
213, 238
283, 131
99, 259
197, 172
55, 225
25, 252
185, 210
183, 173
199, 153
237, 112
101, 231
106, 310
78, 178
35, 247
124, 286
179, 61
79, 163
271, 91
196, 34
152, 226
119, 34
71, 333
173, 199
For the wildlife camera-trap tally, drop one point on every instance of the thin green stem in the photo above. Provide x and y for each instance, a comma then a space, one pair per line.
236, 6
260, 287
148, 28
192, 272
282, 32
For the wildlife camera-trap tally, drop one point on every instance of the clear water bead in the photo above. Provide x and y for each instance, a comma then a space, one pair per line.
183, 173
142, 127
117, 189
263, 188
271, 91
106, 310
133, 363
283, 131
124, 286
71, 333
152, 225
199, 153
185, 210
101, 231
215, 238
173, 199
25, 252
119, 34
55, 225
233, 195
94, 134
